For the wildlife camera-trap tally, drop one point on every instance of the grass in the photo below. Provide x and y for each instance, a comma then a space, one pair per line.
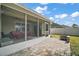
55, 36
74, 44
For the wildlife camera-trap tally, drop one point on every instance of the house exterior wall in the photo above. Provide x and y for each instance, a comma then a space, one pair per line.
31, 26
31, 21
43, 28
44, 32
8, 23
28, 12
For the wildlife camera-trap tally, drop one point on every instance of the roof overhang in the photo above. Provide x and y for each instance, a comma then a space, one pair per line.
24, 10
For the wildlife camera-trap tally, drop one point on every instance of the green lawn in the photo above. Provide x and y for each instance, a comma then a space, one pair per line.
55, 36
74, 44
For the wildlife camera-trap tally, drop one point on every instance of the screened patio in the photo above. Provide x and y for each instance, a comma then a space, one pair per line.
17, 26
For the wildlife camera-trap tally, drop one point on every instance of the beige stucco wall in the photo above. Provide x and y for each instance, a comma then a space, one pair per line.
44, 28
30, 21
8, 23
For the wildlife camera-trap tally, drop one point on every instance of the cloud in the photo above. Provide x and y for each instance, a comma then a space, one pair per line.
61, 16
57, 16
75, 14
57, 20
54, 20
51, 18
41, 9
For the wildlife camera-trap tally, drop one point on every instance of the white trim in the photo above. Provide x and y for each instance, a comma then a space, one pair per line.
38, 27
46, 22
36, 13
25, 26
49, 27
42, 28
45, 18
0, 22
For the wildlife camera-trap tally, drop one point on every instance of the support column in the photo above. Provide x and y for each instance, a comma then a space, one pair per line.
0, 21
25, 26
42, 28
49, 28
38, 27
0, 26
45, 29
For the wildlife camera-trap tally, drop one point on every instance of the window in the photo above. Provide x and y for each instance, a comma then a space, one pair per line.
46, 27
20, 27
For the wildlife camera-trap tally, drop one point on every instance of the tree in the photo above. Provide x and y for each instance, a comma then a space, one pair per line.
75, 26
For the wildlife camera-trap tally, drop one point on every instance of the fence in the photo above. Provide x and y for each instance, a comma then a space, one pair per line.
69, 31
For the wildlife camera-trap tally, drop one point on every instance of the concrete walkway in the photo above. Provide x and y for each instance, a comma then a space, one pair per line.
48, 47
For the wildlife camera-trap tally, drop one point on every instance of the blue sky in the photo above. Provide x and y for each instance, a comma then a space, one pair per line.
61, 13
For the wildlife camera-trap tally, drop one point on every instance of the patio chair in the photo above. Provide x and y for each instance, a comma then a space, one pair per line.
65, 38
17, 35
